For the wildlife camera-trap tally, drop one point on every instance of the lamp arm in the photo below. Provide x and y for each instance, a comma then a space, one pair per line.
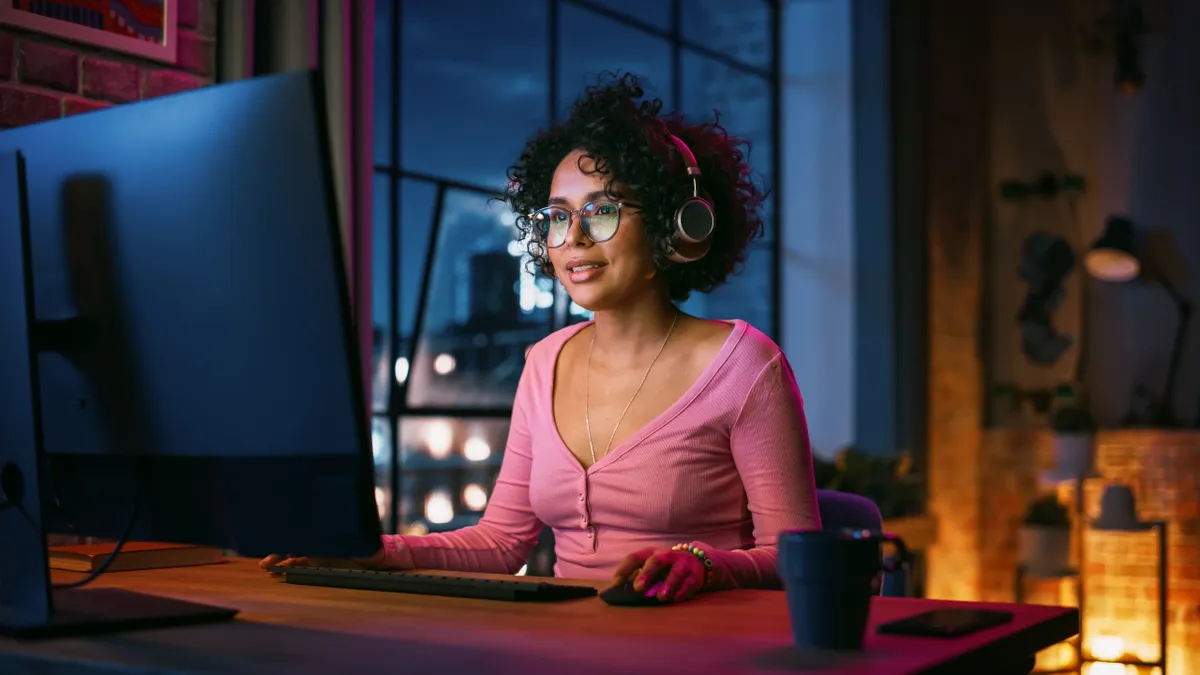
1184, 307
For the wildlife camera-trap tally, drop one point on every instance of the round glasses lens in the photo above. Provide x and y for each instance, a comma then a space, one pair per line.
552, 224
600, 220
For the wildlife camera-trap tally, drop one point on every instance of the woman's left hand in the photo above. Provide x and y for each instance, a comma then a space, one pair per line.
679, 575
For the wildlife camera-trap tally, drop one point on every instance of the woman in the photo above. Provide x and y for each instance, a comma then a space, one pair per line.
658, 446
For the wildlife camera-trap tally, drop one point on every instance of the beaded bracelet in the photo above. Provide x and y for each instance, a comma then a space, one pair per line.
699, 553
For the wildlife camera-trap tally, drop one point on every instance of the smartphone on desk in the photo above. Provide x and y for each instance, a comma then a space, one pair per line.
946, 623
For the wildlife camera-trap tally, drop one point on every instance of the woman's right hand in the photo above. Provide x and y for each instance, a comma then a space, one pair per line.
276, 560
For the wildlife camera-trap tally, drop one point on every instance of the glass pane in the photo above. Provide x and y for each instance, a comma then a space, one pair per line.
748, 296
448, 469
384, 70
744, 104
738, 28
381, 444
484, 308
654, 12
474, 86
625, 49
381, 273
416, 223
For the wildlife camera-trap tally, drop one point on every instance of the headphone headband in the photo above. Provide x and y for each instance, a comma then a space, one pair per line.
689, 160
694, 218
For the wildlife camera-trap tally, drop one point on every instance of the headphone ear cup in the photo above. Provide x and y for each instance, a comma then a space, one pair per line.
695, 220
686, 252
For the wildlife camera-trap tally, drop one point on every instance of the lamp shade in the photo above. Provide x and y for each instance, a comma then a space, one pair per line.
1118, 511
1113, 257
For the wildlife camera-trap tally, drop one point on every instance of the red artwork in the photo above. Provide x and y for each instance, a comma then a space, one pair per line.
142, 19
144, 27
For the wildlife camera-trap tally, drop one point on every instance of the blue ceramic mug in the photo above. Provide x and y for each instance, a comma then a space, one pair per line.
829, 577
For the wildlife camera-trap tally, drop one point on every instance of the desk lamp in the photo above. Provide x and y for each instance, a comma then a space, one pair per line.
1118, 513
1114, 258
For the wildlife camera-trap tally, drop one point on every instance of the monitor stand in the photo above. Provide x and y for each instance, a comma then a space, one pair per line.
29, 605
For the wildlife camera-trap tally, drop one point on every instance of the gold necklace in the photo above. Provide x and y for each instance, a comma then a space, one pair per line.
587, 379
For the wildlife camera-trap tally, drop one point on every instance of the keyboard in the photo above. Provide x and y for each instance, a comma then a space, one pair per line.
517, 589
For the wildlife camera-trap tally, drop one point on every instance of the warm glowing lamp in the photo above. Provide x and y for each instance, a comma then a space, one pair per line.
1115, 258
1118, 513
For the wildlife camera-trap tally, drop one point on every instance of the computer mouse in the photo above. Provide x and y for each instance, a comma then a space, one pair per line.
625, 596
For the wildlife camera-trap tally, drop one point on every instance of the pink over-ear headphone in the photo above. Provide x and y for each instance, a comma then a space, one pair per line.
695, 219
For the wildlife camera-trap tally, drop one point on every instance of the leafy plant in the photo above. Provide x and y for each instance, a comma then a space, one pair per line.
1073, 420
1070, 413
1013, 401
1047, 511
886, 479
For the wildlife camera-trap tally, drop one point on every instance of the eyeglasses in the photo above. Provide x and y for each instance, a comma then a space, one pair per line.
599, 221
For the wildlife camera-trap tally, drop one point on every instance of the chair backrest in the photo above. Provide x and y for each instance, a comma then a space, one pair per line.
845, 510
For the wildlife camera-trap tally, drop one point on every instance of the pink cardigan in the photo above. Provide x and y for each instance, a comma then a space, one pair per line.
726, 468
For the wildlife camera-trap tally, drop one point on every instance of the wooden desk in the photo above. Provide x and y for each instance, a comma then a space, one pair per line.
299, 629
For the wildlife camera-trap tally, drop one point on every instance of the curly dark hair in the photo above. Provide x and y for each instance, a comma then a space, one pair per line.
626, 138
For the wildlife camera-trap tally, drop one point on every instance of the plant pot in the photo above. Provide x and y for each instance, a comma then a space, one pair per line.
1045, 549
1073, 454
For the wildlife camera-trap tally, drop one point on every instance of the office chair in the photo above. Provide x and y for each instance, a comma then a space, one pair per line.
846, 510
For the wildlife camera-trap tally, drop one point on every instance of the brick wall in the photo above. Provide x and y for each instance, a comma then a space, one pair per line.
43, 78
1121, 585
980, 480
1163, 468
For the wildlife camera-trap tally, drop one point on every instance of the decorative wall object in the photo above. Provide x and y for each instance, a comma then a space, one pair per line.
146, 28
1036, 289
1046, 186
1046, 261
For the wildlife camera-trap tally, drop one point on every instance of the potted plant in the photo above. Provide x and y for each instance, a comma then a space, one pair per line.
1074, 431
1044, 539
887, 480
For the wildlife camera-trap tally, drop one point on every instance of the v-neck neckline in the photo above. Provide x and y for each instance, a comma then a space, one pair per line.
648, 429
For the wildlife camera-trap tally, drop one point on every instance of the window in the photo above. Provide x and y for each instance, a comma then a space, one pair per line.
385, 80
656, 13
743, 101
625, 49
460, 86
473, 86
737, 28
384, 452
450, 466
487, 312
381, 272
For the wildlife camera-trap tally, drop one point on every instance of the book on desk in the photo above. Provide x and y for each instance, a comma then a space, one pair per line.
134, 555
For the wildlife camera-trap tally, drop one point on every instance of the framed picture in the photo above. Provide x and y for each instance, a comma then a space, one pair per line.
144, 28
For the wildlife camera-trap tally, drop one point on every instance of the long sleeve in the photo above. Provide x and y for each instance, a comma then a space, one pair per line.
506, 535
770, 447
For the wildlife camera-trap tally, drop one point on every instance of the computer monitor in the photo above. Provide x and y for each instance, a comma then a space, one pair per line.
174, 303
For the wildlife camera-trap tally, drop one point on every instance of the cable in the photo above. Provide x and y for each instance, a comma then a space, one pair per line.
137, 503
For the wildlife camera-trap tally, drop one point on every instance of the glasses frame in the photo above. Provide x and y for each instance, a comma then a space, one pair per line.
577, 215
